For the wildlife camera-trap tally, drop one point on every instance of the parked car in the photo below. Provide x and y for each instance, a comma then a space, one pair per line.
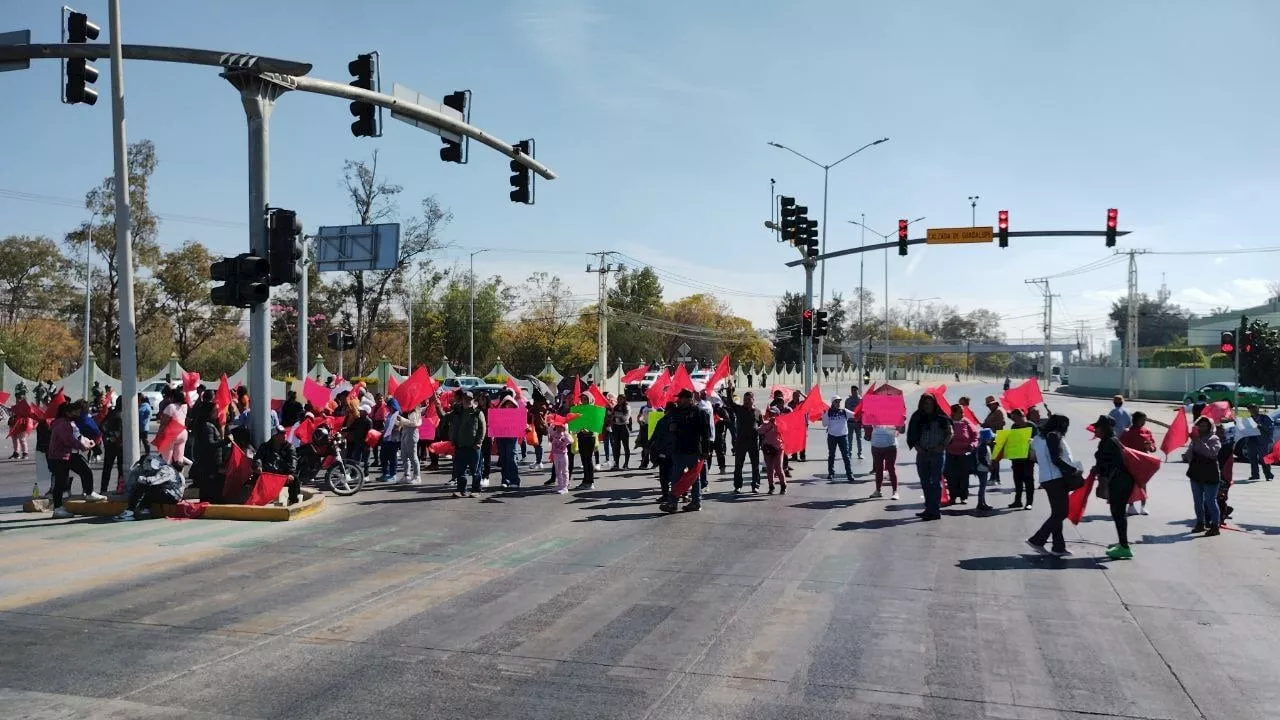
636, 390
154, 392
1224, 391
465, 382
700, 378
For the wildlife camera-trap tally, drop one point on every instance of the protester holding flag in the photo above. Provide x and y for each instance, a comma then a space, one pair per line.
209, 452
1139, 438
1059, 475
1205, 476
797, 400
173, 431
884, 458
1112, 475
277, 456
690, 429
928, 433
746, 421
407, 427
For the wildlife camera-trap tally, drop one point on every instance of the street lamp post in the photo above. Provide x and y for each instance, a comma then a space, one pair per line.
973, 210
826, 174
471, 333
88, 286
885, 237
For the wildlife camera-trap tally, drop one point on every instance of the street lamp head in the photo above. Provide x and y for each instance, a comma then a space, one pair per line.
774, 144
881, 140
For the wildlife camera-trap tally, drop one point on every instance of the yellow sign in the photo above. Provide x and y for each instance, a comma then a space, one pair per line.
947, 236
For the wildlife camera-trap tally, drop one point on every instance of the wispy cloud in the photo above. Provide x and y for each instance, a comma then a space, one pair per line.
916, 258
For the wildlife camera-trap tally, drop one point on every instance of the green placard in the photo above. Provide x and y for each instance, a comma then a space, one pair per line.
590, 417
654, 417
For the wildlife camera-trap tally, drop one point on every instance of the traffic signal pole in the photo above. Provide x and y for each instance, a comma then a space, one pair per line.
258, 94
124, 250
806, 343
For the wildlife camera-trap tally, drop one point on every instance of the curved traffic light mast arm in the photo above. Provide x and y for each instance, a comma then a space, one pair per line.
161, 53
922, 241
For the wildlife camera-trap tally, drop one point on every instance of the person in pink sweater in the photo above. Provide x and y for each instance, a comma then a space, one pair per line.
960, 461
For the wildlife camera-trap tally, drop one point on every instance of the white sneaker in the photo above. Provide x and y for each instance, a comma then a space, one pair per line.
563, 492
95, 497
414, 481
62, 513
894, 496
538, 466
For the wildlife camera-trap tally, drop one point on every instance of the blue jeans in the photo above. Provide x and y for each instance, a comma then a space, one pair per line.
507, 461
1205, 496
840, 443
929, 467
1258, 449
389, 451
681, 464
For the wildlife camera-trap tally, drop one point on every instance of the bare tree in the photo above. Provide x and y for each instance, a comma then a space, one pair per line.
1273, 287
374, 200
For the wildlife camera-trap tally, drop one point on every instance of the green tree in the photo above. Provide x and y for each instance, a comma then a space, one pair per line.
32, 277
182, 276
1261, 368
786, 332
100, 201
1159, 323
551, 325
633, 302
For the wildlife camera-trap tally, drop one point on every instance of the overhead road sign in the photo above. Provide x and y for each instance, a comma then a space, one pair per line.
17, 37
414, 97
950, 236
357, 247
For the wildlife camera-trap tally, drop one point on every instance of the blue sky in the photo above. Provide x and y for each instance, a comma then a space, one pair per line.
656, 116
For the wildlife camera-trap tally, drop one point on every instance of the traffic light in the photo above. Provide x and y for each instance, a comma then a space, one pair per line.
902, 237
1228, 342
1113, 217
244, 279
1002, 225
455, 152
284, 233
809, 237
341, 341
806, 323
363, 69
787, 218
820, 324
521, 176
80, 72
1246, 343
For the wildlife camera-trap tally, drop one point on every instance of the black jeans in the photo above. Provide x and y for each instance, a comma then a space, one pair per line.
1119, 490
740, 454
112, 454
1023, 480
956, 471
664, 475
80, 466
1056, 491
587, 451
621, 444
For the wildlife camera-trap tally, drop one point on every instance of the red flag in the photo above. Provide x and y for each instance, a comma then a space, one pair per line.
4, 397
657, 392
392, 384
316, 395
722, 372
267, 489
237, 471
515, 388
813, 406
190, 381
680, 380
166, 437
1141, 466
1078, 498
968, 415
597, 395
222, 400
685, 483
1022, 397
576, 397
791, 430
1273, 457
939, 394
946, 495
52, 412
871, 389
414, 390
635, 375
1177, 434
1218, 412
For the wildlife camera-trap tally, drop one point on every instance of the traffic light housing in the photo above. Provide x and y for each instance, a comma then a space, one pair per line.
521, 176
341, 341
244, 279
364, 70
787, 218
1113, 218
453, 151
808, 237
820, 324
1002, 228
1228, 345
285, 240
1246, 343
806, 323
80, 72
902, 237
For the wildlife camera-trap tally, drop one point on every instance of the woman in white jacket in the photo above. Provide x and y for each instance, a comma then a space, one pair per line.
1053, 455
409, 423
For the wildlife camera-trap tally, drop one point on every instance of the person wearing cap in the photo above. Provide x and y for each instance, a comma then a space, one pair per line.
1111, 473
994, 422
691, 435
276, 455
928, 433
357, 431
837, 421
1119, 416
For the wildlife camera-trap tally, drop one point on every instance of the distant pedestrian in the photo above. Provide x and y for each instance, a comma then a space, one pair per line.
1119, 415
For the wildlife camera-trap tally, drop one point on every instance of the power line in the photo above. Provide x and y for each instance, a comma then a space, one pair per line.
71, 202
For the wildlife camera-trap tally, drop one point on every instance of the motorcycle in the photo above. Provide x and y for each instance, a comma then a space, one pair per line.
324, 455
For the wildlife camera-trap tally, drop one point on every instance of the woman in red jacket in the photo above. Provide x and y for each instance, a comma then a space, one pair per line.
1138, 437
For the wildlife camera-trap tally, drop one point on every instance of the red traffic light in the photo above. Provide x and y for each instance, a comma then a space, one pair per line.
1228, 344
1246, 344
807, 314
1113, 216
1002, 219
902, 229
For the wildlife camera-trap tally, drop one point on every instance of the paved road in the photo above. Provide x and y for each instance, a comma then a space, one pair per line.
401, 602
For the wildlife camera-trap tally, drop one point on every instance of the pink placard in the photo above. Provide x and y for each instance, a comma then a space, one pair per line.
427, 430
883, 410
507, 422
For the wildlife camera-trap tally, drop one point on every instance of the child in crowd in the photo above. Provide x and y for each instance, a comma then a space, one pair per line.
982, 456
560, 442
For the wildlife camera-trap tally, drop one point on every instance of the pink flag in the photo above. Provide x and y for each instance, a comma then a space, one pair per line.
881, 409
316, 395
1218, 412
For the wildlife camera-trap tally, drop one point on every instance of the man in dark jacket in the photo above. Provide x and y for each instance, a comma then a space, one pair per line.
467, 431
112, 447
277, 456
659, 448
291, 410
928, 433
690, 429
746, 421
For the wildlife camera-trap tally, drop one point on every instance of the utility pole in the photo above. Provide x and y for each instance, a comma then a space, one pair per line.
1131, 327
124, 250
1235, 392
88, 285
602, 269
302, 312
1043, 284
862, 328
806, 344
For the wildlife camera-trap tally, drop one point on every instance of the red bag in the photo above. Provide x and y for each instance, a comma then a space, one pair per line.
373, 438
686, 481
